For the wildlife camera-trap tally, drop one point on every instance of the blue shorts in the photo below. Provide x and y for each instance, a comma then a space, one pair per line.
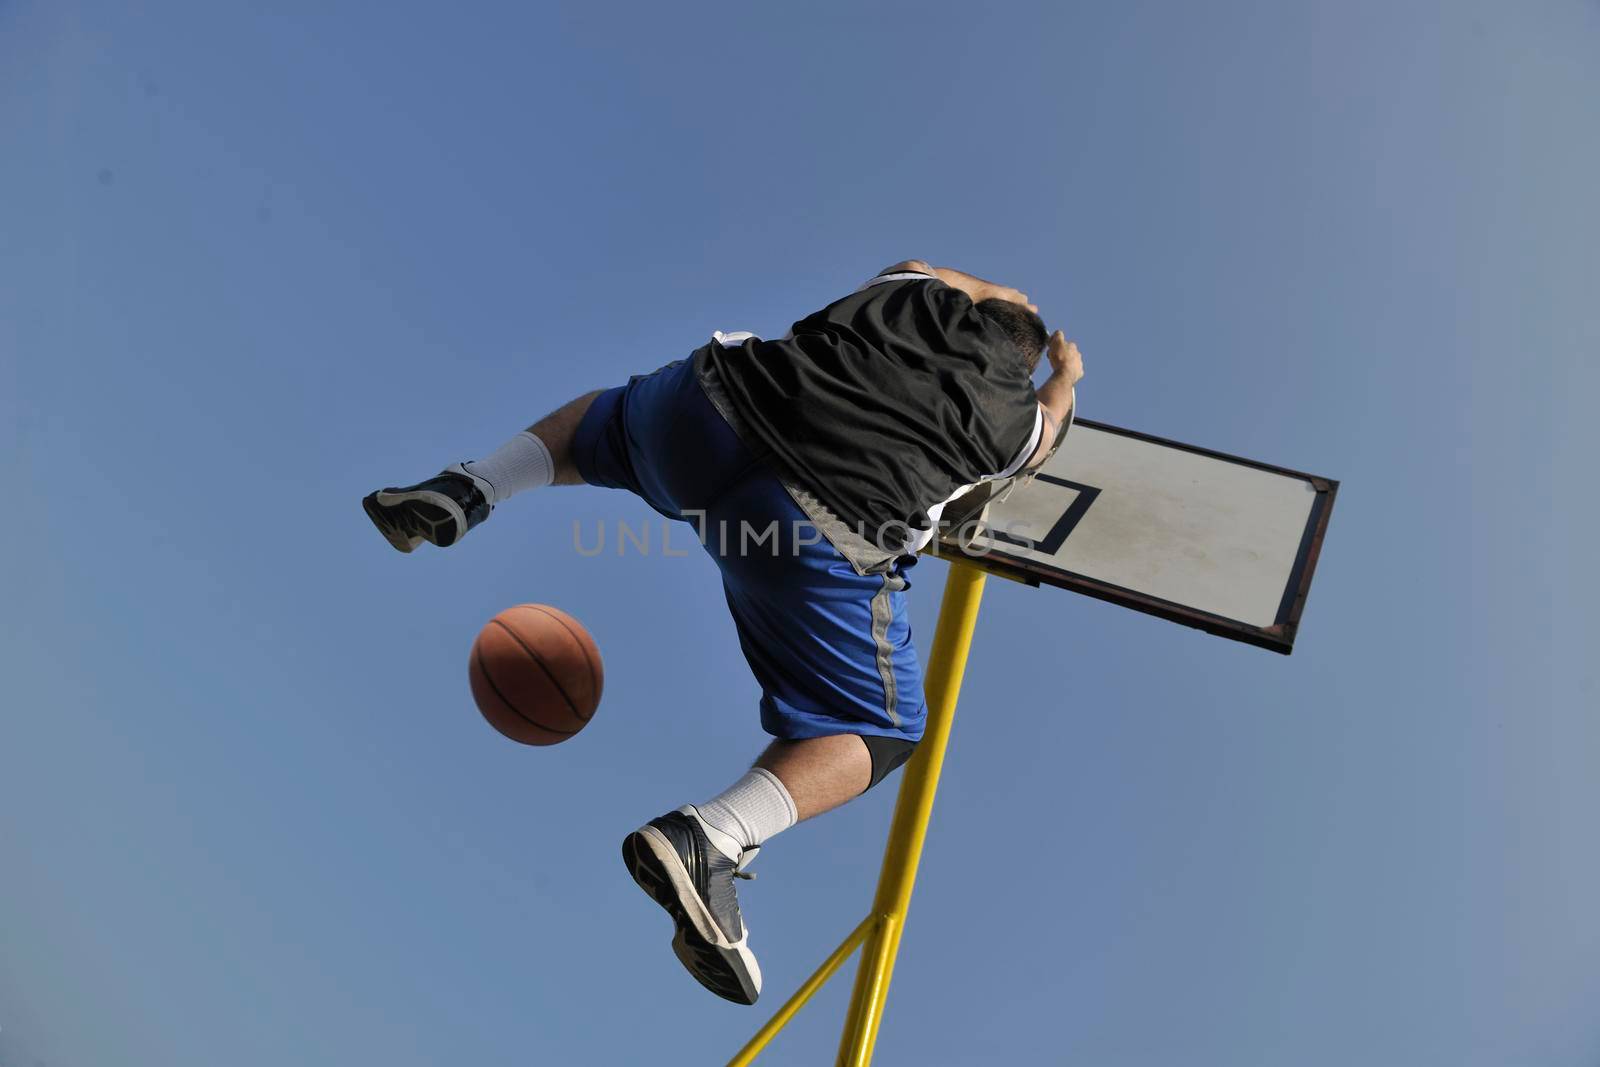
830, 647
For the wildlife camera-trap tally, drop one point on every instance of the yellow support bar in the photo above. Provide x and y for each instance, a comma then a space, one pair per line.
958, 617
880, 931
815, 982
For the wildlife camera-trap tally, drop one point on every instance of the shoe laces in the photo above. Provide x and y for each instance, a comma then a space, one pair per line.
746, 858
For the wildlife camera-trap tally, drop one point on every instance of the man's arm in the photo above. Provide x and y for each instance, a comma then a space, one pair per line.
1055, 395
976, 288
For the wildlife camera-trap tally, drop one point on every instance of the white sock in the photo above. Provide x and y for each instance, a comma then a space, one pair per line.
521, 463
751, 810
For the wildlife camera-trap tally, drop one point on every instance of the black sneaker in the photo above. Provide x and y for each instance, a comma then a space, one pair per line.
440, 510
674, 859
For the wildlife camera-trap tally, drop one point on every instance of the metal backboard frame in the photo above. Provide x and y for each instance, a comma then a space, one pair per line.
1278, 636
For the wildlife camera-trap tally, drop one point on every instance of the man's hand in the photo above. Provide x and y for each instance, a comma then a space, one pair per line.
1056, 394
1064, 357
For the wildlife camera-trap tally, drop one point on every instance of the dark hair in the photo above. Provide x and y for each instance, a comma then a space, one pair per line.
1024, 328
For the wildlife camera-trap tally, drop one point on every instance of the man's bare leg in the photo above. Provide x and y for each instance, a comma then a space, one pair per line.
820, 773
539, 456
556, 430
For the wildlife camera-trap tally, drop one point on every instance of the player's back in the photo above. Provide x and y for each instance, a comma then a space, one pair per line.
886, 401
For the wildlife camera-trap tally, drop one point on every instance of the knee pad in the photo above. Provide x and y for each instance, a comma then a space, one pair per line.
887, 753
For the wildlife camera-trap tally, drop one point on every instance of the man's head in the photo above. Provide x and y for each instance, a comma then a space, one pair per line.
1024, 328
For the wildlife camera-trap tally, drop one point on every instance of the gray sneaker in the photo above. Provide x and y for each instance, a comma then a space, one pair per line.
440, 510
676, 860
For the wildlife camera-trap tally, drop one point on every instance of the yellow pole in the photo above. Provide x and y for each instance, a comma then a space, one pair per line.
754, 1046
958, 616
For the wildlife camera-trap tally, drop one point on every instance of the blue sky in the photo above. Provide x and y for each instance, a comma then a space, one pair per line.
256, 262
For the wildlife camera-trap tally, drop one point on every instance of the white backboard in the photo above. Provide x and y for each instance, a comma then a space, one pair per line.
1214, 541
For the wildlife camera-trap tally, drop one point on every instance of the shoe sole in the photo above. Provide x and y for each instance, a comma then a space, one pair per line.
726, 968
408, 518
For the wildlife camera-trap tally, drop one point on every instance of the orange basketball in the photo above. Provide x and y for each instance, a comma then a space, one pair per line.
536, 674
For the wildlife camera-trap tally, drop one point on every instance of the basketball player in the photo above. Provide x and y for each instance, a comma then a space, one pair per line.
813, 468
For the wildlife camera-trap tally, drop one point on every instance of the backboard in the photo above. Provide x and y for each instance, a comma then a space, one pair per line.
1224, 544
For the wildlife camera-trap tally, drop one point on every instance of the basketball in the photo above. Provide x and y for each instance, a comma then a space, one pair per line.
536, 674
